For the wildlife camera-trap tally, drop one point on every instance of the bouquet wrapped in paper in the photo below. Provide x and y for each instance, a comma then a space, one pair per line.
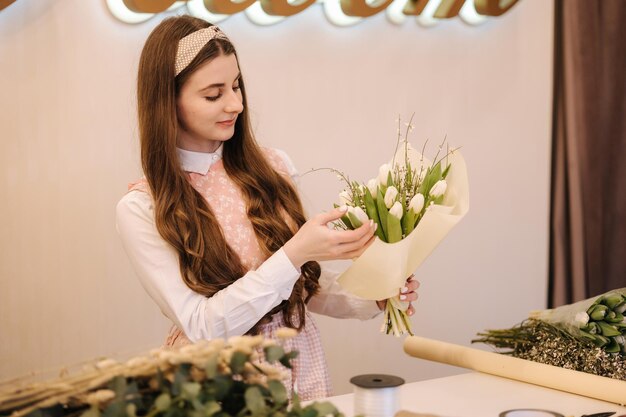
600, 320
588, 336
414, 202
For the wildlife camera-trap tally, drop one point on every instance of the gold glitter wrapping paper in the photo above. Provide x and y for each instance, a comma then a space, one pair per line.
581, 383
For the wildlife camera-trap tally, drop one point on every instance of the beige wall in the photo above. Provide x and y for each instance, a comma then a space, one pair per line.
326, 95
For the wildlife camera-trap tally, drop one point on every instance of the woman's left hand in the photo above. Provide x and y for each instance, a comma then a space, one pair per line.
407, 293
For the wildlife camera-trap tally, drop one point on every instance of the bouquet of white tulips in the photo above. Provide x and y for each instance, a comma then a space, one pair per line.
414, 203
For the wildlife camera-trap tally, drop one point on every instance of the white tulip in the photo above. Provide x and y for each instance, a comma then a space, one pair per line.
390, 195
439, 188
359, 214
373, 187
582, 318
383, 174
396, 210
344, 197
417, 203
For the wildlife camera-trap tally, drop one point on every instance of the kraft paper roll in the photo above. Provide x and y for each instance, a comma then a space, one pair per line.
575, 382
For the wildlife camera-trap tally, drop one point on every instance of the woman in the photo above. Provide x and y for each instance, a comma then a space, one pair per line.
216, 231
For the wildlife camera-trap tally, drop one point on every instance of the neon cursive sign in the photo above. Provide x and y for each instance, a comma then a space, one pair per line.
339, 12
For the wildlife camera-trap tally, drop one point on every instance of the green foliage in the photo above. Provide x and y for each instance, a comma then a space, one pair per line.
433, 174
383, 212
278, 391
237, 362
606, 326
372, 213
356, 223
202, 381
408, 222
286, 359
208, 390
394, 229
274, 353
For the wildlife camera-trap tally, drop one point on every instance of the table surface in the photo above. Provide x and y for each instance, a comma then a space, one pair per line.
480, 395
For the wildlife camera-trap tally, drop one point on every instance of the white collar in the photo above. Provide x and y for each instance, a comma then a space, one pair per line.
198, 162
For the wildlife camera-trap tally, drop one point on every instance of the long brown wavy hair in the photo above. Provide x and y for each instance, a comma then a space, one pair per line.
183, 217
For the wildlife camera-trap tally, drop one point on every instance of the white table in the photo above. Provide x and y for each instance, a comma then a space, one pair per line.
481, 395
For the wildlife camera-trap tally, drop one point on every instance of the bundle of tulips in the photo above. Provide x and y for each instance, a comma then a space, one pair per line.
414, 203
589, 336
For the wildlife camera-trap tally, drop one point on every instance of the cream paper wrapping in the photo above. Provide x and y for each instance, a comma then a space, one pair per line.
549, 376
383, 268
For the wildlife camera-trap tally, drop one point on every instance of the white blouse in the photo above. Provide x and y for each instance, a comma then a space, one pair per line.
235, 309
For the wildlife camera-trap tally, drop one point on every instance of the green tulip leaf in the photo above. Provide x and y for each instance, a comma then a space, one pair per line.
346, 220
394, 229
354, 220
601, 340
612, 300
408, 222
587, 336
612, 347
372, 213
446, 171
621, 325
433, 174
389, 179
383, 213
608, 330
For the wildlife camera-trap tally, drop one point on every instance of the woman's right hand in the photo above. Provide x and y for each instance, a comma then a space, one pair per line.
316, 242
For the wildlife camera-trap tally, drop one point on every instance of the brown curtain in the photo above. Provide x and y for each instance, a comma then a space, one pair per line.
588, 209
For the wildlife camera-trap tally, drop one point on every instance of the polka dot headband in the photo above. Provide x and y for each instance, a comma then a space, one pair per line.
190, 45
